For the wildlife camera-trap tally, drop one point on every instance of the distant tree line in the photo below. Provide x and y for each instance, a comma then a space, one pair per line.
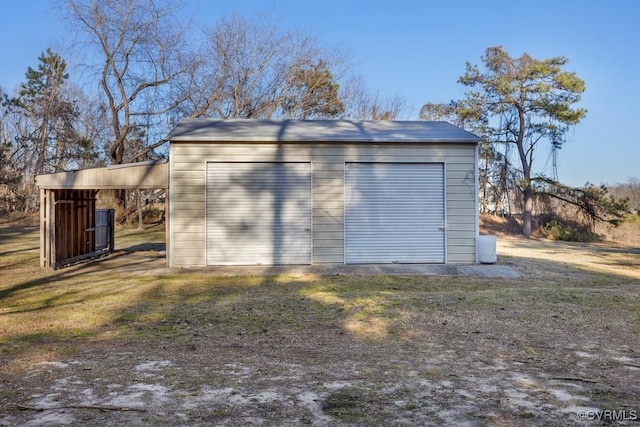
143, 72
629, 191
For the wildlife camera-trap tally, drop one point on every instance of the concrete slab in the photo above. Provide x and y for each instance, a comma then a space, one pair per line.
154, 262
488, 271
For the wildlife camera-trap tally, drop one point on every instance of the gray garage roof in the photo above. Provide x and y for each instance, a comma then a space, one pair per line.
318, 131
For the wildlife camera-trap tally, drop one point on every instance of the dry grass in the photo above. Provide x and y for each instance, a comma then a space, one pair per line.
626, 234
197, 349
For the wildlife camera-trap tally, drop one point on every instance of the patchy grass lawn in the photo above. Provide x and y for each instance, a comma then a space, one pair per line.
85, 345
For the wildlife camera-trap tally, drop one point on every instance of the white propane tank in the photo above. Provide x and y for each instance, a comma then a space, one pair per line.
486, 246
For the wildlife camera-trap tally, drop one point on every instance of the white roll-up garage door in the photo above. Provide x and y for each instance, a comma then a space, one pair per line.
394, 212
258, 213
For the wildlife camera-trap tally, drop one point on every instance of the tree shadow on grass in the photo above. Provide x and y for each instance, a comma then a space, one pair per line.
330, 334
266, 332
34, 248
141, 247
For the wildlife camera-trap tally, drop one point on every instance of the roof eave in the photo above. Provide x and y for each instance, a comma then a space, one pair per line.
324, 140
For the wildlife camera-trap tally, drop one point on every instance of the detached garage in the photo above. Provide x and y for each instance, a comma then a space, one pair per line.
246, 192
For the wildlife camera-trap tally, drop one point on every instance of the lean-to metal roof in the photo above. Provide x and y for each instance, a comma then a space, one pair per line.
249, 130
152, 174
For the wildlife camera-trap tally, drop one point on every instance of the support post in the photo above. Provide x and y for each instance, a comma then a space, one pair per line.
43, 228
167, 228
51, 229
112, 230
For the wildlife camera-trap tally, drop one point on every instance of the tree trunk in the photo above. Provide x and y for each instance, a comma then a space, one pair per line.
117, 158
43, 146
526, 159
528, 208
120, 199
140, 213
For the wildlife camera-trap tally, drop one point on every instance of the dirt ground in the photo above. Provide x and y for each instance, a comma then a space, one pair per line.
558, 346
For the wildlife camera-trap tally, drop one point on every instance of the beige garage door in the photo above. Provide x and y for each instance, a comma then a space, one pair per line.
258, 213
394, 213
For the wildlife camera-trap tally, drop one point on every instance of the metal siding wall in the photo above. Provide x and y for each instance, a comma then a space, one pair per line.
394, 212
258, 213
188, 177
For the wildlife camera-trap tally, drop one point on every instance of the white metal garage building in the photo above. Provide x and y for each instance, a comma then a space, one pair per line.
249, 192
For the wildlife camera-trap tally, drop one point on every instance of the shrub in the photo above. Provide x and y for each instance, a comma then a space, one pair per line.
633, 218
557, 231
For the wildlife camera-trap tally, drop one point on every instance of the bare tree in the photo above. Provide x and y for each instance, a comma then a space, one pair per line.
250, 69
140, 43
363, 104
50, 140
629, 190
10, 177
43, 129
92, 124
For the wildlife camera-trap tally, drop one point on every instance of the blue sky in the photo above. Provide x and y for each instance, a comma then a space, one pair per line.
418, 48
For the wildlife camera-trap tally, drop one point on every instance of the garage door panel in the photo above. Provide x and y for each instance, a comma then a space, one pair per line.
258, 213
394, 213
